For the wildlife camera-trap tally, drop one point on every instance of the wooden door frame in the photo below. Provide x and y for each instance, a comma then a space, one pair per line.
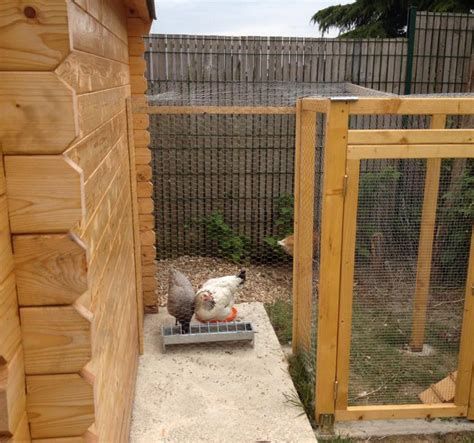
340, 190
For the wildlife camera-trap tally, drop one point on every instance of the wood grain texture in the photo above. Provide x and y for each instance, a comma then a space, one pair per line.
3, 183
97, 108
36, 44
88, 73
56, 340
142, 156
6, 258
12, 393
425, 245
10, 333
90, 151
304, 219
90, 35
37, 111
408, 136
136, 229
50, 269
21, 434
331, 255
465, 374
44, 193
59, 405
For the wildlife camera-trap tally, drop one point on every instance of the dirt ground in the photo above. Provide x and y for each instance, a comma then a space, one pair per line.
265, 283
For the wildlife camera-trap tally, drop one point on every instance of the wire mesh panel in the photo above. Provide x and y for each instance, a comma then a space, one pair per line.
384, 367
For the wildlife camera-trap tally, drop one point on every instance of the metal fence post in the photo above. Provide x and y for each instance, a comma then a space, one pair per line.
411, 30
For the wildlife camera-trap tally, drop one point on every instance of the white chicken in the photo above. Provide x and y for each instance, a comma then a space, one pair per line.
215, 298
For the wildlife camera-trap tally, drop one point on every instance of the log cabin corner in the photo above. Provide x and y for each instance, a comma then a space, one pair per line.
76, 264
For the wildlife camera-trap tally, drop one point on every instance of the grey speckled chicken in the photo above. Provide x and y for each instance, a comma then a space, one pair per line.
181, 297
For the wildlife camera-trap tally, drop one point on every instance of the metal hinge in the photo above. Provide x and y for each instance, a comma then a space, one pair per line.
326, 423
336, 388
344, 185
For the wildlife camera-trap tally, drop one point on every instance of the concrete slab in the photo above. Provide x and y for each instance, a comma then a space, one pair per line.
382, 428
216, 392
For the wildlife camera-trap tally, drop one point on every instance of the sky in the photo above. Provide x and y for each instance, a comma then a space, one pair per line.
285, 18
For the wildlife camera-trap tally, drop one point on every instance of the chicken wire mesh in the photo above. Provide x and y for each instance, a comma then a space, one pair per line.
385, 367
223, 183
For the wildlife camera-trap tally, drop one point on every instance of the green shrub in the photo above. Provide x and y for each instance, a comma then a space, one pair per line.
225, 242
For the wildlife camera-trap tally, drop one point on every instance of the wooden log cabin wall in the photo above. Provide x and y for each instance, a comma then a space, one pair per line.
74, 237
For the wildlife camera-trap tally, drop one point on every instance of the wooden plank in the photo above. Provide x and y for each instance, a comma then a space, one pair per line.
144, 189
425, 245
465, 386
331, 254
316, 105
303, 253
3, 183
141, 138
413, 106
146, 206
10, 332
6, 258
88, 73
142, 156
214, 109
147, 221
144, 173
136, 46
21, 434
347, 283
138, 84
141, 121
136, 229
12, 393
435, 151
56, 340
59, 405
36, 202
50, 269
34, 44
97, 108
410, 136
389, 412
37, 111
96, 185
90, 151
89, 35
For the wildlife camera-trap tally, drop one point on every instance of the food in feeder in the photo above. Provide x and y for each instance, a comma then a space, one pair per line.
215, 298
181, 297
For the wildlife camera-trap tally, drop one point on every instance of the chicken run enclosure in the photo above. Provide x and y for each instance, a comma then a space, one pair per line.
378, 192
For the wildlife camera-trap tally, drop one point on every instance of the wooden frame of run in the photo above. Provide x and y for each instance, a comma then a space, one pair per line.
344, 149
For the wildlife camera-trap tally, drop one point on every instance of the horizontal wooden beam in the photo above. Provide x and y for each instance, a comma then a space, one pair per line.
59, 405
214, 109
316, 104
56, 340
459, 150
44, 193
50, 269
386, 412
408, 136
413, 106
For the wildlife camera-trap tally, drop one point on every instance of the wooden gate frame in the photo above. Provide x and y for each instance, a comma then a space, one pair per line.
343, 151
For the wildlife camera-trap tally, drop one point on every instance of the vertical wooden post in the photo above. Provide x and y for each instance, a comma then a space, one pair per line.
303, 230
349, 235
335, 153
136, 231
425, 246
465, 379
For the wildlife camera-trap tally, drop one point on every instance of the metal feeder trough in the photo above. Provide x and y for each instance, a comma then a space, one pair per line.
208, 333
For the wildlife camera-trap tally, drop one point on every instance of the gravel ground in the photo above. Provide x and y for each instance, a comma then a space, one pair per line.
265, 283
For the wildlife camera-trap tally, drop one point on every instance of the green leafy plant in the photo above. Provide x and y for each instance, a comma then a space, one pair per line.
283, 223
280, 313
225, 241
